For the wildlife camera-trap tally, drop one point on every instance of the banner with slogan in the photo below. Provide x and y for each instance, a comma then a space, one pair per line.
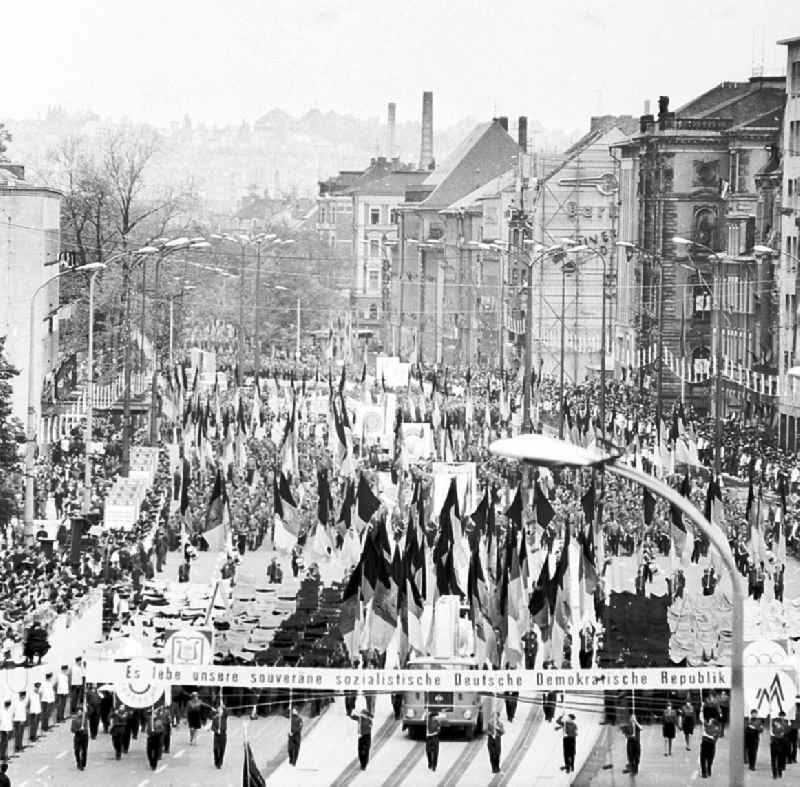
143, 673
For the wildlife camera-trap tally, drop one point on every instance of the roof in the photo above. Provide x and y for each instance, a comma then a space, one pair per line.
739, 102
787, 41
617, 133
487, 152
769, 120
488, 190
386, 177
600, 125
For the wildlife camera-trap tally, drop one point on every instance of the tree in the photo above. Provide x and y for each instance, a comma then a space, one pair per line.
11, 435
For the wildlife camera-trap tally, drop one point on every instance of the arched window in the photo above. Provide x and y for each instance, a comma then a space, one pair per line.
705, 225
701, 361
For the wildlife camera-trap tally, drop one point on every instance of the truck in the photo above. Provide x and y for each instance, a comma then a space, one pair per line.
461, 709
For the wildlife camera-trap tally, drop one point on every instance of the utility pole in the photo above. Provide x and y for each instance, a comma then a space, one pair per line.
126, 401
240, 353
717, 296
256, 322
154, 381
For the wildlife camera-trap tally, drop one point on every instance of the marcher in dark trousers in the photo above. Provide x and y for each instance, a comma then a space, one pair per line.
669, 721
794, 731
20, 716
633, 745
295, 734
777, 745
165, 713
6, 729
397, 705
118, 724
364, 721
80, 739
494, 731
569, 741
106, 706
155, 738
219, 727
93, 710
752, 733
511, 704
549, 705
433, 726
708, 746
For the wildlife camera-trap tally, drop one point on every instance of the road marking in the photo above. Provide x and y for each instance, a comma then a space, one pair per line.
144, 783
63, 754
179, 753
694, 775
41, 770
162, 768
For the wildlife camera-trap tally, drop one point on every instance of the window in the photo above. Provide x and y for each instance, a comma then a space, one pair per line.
795, 80
374, 215
702, 300
373, 312
374, 249
374, 281
393, 216
322, 215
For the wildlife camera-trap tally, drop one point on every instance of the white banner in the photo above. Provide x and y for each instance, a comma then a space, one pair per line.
392, 680
466, 476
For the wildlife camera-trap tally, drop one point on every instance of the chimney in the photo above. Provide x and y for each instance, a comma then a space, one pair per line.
503, 121
522, 133
647, 106
426, 160
392, 122
663, 112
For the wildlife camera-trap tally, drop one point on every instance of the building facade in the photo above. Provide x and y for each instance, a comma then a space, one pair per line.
789, 253
30, 232
697, 172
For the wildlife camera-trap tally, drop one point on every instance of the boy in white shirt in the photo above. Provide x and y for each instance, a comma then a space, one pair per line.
48, 697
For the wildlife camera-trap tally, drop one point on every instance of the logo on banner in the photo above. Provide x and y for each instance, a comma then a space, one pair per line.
137, 689
189, 646
770, 679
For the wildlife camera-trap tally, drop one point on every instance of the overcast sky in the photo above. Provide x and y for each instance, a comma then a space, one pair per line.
223, 61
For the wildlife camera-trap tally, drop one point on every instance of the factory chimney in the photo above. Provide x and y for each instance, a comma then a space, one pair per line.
522, 133
426, 160
392, 122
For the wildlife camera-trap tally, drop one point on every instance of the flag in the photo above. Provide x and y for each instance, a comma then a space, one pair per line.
714, 511
186, 481
649, 506
217, 516
682, 538
384, 605
285, 506
446, 582
324, 499
414, 590
587, 570
544, 511
539, 604
588, 503
366, 503
514, 511
756, 546
346, 511
251, 776
350, 610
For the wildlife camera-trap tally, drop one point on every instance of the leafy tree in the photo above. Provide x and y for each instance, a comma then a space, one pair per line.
11, 435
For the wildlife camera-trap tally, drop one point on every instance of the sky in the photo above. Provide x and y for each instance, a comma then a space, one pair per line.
224, 61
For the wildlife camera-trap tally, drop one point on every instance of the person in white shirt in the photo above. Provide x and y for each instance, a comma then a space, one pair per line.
76, 684
6, 728
48, 697
34, 711
62, 693
19, 715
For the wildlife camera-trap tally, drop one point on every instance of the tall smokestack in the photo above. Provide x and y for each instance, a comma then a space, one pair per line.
392, 122
522, 133
426, 150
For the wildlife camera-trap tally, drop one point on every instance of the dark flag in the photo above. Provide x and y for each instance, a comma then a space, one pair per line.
589, 502
514, 511
367, 503
544, 511
539, 605
186, 480
324, 499
251, 776
446, 582
346, 512
649, 506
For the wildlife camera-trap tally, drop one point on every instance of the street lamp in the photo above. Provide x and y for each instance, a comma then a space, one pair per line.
716, 342
657, 260
546, 451
526, 383
30, 446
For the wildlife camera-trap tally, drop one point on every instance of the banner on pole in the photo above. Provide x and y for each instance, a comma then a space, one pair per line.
329, 679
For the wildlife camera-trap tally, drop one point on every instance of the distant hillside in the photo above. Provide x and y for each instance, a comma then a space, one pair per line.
279, 153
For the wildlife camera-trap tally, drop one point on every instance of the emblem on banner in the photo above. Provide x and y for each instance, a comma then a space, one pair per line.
189, 647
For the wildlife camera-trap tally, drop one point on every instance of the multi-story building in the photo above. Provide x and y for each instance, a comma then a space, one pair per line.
433, 263
788, 280
699, 174
29, 239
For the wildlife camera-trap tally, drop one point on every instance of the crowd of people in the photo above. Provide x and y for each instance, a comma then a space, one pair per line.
38, 584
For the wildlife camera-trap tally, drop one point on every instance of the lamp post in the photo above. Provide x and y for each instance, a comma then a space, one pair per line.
716, 299
87, 472
526, 383
30, 444
660, 336
546, 451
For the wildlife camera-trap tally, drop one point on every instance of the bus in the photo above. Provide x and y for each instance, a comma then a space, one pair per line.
461, 709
